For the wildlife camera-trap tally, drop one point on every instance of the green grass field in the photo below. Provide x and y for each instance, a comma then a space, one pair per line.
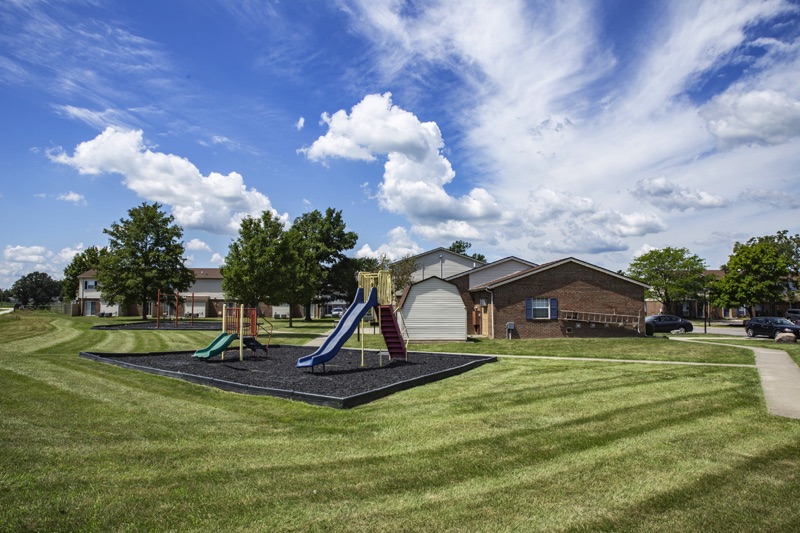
518, 445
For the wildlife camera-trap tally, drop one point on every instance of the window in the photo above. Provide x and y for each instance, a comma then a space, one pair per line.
541, 309
90, 284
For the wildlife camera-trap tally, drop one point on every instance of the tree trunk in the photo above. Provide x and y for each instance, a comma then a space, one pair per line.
308, 312
144, 310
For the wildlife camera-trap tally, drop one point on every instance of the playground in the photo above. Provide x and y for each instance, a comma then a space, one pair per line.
348, 377
344, 384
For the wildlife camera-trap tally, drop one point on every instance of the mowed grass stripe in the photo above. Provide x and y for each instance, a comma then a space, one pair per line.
515, 445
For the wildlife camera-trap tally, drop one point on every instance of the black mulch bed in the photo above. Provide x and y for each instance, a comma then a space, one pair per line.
343, 384
164, 324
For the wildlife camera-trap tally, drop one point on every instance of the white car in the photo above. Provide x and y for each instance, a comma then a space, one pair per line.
337, 312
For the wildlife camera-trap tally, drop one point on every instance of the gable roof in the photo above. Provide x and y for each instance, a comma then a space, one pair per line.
441, 250
492, 264
207, 273
548, 266
432, 279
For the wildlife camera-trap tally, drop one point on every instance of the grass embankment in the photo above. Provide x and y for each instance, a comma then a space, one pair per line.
521, 444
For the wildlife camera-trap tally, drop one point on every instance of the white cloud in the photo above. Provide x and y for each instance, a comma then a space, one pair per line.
26, 254
216, 259
662, 193
400, 245
780, 199
300, 123
21, 260
563, 122
97, 119
198, 245
761, 117
215, 203
72, 197
415, 171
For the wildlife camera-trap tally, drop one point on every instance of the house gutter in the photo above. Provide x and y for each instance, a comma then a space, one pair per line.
491, 312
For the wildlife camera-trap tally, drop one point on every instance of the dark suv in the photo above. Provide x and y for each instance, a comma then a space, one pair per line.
770, 326
793, 315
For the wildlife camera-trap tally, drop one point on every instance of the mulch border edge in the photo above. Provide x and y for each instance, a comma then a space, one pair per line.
337, 402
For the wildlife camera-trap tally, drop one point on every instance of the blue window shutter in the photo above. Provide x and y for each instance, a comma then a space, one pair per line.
553, 308
528, 308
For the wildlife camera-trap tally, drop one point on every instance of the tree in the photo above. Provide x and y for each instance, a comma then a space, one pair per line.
461, 247
301, 272
402, 271
36, 288
342, 282
326, 238
144, 256
253, 272
755, 273
89, 259
674, 274
270, 264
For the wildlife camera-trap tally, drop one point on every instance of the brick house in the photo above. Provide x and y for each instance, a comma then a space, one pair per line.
565, 298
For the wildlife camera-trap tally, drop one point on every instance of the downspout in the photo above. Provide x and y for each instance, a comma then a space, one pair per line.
491, 311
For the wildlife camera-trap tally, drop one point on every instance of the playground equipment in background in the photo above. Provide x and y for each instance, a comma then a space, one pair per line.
379, 286
177, 302
238, 323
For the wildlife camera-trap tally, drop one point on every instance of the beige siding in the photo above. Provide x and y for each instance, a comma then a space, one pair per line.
434, 310
493, 272
449, 264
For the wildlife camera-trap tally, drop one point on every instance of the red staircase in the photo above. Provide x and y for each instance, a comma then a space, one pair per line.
391, 333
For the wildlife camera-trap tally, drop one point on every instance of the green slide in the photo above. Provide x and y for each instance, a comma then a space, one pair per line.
215, 348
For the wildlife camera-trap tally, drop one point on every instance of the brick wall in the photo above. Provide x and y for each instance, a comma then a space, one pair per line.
577, 288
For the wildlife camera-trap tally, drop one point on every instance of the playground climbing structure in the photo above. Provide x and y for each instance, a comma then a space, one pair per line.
374, 293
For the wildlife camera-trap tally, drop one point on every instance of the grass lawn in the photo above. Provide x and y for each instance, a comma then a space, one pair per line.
658, 348
518, 445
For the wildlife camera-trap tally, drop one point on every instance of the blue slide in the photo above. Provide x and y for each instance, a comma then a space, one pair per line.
346, 326
215, 348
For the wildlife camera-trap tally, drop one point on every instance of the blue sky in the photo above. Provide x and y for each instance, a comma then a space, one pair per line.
539, 129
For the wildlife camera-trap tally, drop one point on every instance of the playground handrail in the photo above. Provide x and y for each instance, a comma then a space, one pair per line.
403, 329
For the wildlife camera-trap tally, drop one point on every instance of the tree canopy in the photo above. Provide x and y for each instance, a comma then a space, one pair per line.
87, 260
270, 264
461, 247
36, 288
144, 256
756, 272
674, 274
252, 272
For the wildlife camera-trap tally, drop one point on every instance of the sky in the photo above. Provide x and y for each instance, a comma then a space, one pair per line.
536, 129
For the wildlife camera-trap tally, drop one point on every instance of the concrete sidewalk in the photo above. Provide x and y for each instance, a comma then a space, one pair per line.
318, 340
780, 378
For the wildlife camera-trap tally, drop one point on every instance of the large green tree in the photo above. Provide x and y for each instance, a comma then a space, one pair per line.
270, 264
87, 260
253, 269
756, 273
674, 274
36, 288
144, 256
325, 238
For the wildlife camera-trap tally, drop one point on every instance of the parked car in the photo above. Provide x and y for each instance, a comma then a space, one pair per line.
793, 315
770, 326
337, 312
668, 324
